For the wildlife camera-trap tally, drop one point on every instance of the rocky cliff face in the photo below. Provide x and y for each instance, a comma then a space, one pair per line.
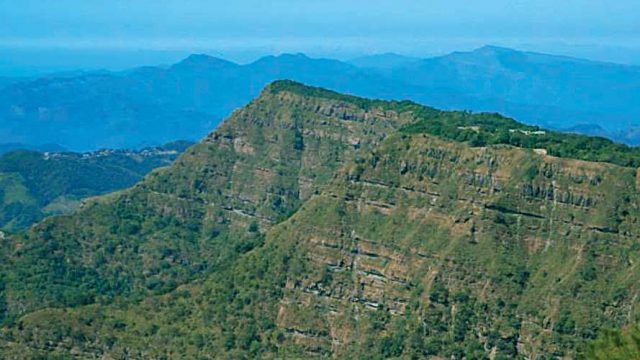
469, 250
317, 224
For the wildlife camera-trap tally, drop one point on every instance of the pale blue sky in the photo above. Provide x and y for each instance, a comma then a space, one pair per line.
243, 29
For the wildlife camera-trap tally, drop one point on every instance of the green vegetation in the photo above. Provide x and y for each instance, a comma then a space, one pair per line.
616, 345
404, 106
312, 224
34, 184
494, 129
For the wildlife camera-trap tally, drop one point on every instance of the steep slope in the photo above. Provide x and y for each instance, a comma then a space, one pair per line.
449, 250
205, 210
318, 224
428, 249
35, 184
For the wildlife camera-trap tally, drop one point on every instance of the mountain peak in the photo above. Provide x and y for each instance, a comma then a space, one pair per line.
204, 61
492, 49
301, 89
298, 55
285, 57
295, 87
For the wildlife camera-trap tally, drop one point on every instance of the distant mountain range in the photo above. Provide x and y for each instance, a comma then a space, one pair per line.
8, 147
6, 81
384, 61
565, 91
154, 105
37, 184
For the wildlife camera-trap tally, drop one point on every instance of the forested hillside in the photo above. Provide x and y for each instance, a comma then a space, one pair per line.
37, 184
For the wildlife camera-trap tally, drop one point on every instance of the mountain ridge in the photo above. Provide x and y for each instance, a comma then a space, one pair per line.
155, 105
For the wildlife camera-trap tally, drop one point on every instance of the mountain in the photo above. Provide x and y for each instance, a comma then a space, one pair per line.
567, 91
630, 136
35, 184
153, 105
6, 81
7, 147
90, 112
383, 62
316, 224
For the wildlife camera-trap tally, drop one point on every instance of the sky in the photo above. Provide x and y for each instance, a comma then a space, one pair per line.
79, 33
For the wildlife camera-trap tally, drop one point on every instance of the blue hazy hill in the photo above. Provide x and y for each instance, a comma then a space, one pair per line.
153, 105
568, 91
383, 62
